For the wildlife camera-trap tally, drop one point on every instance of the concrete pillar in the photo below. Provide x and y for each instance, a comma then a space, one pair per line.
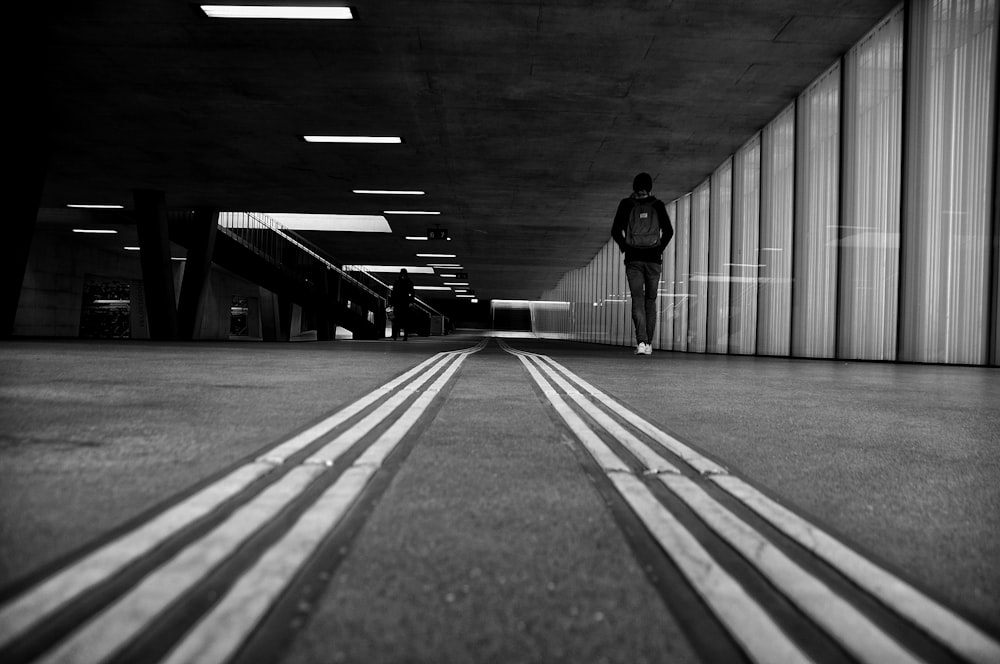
154, 257
197, 270
27, 153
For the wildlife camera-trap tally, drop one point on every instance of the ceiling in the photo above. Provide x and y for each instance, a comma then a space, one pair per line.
523, 121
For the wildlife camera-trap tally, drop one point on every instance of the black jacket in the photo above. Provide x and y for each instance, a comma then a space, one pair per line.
402, 292
618, 228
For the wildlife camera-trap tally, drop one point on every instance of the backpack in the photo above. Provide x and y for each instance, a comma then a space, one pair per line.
643, 229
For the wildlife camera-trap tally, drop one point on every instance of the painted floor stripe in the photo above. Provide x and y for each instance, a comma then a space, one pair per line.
220, 634
697, 461
605, 458
742, 616
24, 612
117, 625
280, 453
844, 623
29, 609
336, 447
950, 629
761, 638
653, 462
954, 632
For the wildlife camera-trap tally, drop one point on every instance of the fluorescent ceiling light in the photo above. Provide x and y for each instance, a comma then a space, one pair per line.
472, 297
276, 11
412, 269
417, 238
95, 206
436, 288
389, 192
131, 248
408, 212
350, 223
436, 256
353, 139
448, 276
95, 231
451, 265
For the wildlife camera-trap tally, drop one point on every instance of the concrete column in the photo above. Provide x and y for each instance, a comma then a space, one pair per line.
154, 257
197, 270
27, 153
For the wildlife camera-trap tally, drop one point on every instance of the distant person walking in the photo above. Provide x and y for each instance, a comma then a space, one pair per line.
642, 231
401, 298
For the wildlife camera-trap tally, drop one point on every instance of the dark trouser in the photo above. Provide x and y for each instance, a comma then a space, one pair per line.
400, 319
643, 284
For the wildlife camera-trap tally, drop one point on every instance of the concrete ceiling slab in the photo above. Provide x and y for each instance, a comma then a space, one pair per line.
523, 121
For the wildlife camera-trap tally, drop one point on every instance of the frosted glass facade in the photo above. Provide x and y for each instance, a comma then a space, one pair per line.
777, 210
860, 223
869, 228
697, 277
948, 182
719, 237
745, 261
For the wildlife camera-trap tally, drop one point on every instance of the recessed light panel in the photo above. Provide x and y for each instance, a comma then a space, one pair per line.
351, 223
95, 231
353, 139
279, 12
388, 192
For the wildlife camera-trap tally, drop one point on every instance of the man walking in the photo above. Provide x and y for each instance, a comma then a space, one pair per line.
401, 298
642, 231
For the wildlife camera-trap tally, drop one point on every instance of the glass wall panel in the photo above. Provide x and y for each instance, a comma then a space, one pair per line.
946, 229
666, 295
719, 237
682, 254
744, 260
869, 223
698, 274
774, 290
817, 217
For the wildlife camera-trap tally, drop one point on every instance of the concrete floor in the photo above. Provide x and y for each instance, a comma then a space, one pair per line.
491, 542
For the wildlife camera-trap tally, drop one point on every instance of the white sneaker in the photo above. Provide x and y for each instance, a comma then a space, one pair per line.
647, 349
640, 349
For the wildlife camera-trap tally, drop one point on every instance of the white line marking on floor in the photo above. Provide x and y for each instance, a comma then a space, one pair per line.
221, 632
747, 621
653, 461
604, 457
32, 607
113, 628
343, 442
697, 461
280, 453
844, 623
25, 611
742, 616
951, 629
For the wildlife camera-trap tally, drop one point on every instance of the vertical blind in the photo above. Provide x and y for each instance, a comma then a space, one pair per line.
869, 229
860, 223
777, 189
697, 277
744, 259
667, 296
948, 178
817, 217
719, 238
682, 253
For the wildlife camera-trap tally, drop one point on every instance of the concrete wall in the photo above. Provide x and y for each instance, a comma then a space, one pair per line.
59, 263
